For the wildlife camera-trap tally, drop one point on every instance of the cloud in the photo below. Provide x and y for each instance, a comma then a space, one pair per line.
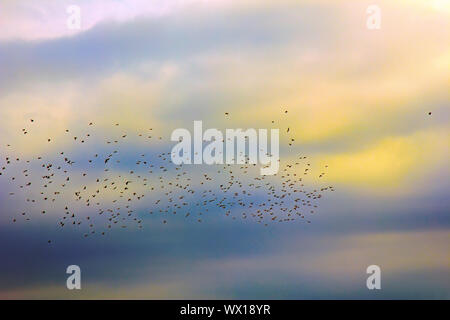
390, 162
358, 102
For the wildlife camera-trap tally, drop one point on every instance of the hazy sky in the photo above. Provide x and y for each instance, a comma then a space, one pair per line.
358, 101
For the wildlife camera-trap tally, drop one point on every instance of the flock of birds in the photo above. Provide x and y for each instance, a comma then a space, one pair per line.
98, 184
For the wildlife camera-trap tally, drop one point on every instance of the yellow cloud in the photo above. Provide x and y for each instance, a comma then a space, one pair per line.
390, 161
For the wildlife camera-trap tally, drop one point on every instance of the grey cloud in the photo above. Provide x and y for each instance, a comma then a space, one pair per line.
110, 46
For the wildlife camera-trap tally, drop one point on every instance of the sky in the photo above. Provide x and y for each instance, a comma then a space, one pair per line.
358, 101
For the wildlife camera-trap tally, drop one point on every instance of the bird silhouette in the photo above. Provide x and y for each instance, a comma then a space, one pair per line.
96, 199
